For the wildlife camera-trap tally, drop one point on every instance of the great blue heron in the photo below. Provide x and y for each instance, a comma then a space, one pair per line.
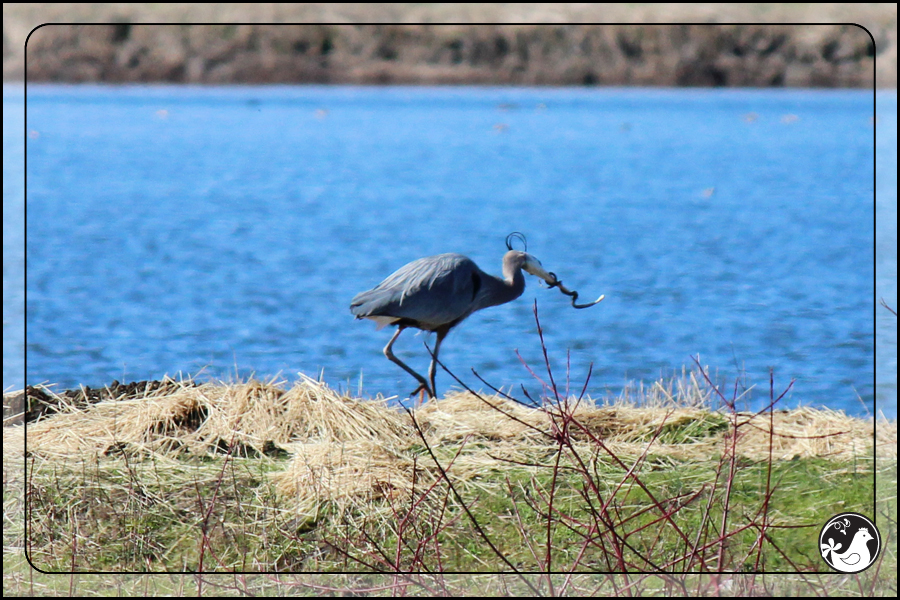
436, 293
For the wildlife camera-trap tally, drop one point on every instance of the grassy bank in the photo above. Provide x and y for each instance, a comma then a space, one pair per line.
256, 477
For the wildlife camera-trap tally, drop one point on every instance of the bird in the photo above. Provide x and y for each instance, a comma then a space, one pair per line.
436, 293
855, 558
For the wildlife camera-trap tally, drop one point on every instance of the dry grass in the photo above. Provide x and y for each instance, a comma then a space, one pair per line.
199, 419
347, 447
257, 476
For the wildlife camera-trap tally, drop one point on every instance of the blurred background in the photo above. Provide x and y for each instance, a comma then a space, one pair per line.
207, 199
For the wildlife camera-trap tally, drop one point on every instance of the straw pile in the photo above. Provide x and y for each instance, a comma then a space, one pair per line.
347, 448
361, 471
807, 432
203, 418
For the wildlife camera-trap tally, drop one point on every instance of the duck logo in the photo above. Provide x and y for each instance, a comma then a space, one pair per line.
849, 543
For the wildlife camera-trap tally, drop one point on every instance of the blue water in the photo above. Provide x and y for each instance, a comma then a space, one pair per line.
224, 231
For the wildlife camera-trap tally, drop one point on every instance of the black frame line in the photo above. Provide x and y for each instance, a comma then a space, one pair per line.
529, 573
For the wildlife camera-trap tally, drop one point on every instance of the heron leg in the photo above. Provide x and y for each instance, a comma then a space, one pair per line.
431, 369
423, 384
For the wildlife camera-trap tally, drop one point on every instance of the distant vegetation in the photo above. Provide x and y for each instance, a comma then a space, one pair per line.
415, 50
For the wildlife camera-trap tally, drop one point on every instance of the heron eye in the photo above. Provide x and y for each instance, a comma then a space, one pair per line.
476, 284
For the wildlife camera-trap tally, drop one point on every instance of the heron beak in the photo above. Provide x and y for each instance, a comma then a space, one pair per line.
533, 266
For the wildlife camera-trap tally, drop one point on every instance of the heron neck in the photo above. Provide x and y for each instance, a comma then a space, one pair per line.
500, 291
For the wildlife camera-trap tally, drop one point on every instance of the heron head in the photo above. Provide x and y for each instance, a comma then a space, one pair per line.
533, 266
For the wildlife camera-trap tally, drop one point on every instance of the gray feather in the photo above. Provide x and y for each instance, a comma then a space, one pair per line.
432, 291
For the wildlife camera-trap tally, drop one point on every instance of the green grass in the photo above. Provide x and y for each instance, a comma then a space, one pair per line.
149, 515
261, 534
660, 488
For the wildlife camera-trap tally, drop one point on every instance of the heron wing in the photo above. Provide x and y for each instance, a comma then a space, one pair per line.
432, 291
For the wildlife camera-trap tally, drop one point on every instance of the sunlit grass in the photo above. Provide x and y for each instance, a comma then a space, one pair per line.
142, 484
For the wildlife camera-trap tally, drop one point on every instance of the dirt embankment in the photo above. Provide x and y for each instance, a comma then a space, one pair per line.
524, 54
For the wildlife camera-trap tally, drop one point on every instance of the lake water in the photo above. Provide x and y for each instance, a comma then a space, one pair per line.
224, 231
